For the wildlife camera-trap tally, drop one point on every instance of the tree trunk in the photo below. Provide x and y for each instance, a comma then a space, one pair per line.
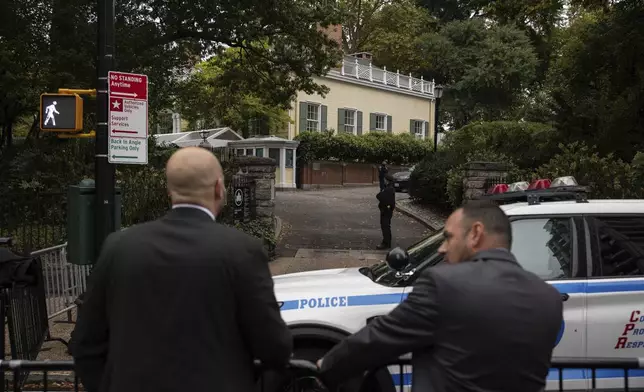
34, 131
9, 134
2, 133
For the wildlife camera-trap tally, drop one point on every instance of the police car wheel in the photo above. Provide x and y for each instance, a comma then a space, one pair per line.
274, 382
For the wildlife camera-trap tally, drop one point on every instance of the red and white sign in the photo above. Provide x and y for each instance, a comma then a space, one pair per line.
128, 118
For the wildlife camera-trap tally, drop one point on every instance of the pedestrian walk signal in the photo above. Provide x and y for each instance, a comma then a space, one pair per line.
61, 112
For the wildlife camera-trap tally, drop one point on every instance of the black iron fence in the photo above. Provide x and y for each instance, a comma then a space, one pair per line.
33, 219
301, 375
566, 374
22, 308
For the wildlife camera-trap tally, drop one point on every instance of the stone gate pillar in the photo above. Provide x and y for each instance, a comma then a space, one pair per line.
479, 176
262, 170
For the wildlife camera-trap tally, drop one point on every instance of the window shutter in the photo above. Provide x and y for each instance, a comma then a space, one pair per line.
323, 115
372, 121
359, 123
340, 120
303, 113
389, 127
411, 126
426, 127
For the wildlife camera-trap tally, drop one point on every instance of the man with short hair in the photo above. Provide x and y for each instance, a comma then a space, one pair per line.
181, 303
479, 322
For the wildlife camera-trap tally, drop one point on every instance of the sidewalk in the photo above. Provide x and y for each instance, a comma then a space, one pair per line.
431, 218
315, 259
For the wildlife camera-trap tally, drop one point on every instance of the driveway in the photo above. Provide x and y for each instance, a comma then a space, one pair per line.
338, 218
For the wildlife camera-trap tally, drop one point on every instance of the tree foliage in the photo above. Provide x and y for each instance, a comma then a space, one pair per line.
370, 148
46, 45
210, 95
598, 78
527, 144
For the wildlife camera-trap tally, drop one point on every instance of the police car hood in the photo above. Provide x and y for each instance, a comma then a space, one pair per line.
314, 280
302, 295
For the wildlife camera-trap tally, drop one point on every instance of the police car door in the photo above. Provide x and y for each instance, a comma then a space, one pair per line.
616, 295
552, 247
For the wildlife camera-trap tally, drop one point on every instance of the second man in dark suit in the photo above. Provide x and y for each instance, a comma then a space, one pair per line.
477, 323
182, 303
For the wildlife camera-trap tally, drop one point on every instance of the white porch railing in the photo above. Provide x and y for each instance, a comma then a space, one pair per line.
382, 76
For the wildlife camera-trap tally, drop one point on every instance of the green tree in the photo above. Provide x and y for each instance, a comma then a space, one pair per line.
221, 90
45, 46
23, 61
394, 33
359, 22
597, 79
486, 69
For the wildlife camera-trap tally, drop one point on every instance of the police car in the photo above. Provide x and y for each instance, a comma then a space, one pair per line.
592, 251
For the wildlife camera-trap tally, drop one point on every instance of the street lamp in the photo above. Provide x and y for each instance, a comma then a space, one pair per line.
438, 93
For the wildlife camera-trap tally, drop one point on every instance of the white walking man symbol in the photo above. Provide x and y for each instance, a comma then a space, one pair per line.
49, 111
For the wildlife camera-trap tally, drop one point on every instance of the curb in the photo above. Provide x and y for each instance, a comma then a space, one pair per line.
421, 220
277, 224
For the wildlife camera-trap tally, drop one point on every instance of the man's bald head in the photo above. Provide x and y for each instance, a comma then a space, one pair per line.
195, 176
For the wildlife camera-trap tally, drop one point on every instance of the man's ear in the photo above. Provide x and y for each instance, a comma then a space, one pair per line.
477, 232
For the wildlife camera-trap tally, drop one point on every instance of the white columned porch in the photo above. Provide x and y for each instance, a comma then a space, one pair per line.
294, 167
282, 166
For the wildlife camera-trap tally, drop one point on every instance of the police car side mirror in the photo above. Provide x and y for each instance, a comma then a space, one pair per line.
397, 259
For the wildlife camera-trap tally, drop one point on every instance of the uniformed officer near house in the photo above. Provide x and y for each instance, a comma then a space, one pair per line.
386, 204
477, 323
382, 173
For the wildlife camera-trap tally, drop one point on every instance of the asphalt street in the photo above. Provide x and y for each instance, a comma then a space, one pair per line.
338, 218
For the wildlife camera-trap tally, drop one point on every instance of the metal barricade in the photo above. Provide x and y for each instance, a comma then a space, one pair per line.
297, 371
566, 374
64, 282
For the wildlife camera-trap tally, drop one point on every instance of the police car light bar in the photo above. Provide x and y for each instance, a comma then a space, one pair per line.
561, 188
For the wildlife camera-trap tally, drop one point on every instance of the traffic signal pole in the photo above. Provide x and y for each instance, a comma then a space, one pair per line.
104, 171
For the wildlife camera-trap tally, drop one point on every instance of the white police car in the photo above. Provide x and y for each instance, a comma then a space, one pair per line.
592, 251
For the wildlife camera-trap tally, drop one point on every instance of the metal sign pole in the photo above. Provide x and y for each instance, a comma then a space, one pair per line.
105, 173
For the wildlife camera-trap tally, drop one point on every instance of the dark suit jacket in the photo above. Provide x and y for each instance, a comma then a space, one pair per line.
179, 304
387, 199
482, 325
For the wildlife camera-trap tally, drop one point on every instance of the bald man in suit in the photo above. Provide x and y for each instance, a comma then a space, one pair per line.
182, 303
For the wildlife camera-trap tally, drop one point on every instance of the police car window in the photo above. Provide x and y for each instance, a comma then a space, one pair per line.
423, 250
621, 245
544, 246
422, 254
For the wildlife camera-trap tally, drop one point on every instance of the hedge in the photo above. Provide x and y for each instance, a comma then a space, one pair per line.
373, 147
527, 144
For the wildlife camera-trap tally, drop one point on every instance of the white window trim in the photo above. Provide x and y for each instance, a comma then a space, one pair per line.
319, 119
423, 126
355, 120
386, 116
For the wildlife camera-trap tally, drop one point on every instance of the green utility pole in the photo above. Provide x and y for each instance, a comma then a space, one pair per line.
104, 171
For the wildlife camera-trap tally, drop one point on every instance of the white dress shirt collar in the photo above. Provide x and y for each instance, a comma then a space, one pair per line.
196, 207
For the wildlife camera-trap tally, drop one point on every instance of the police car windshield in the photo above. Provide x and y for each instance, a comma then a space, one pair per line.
421, 254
